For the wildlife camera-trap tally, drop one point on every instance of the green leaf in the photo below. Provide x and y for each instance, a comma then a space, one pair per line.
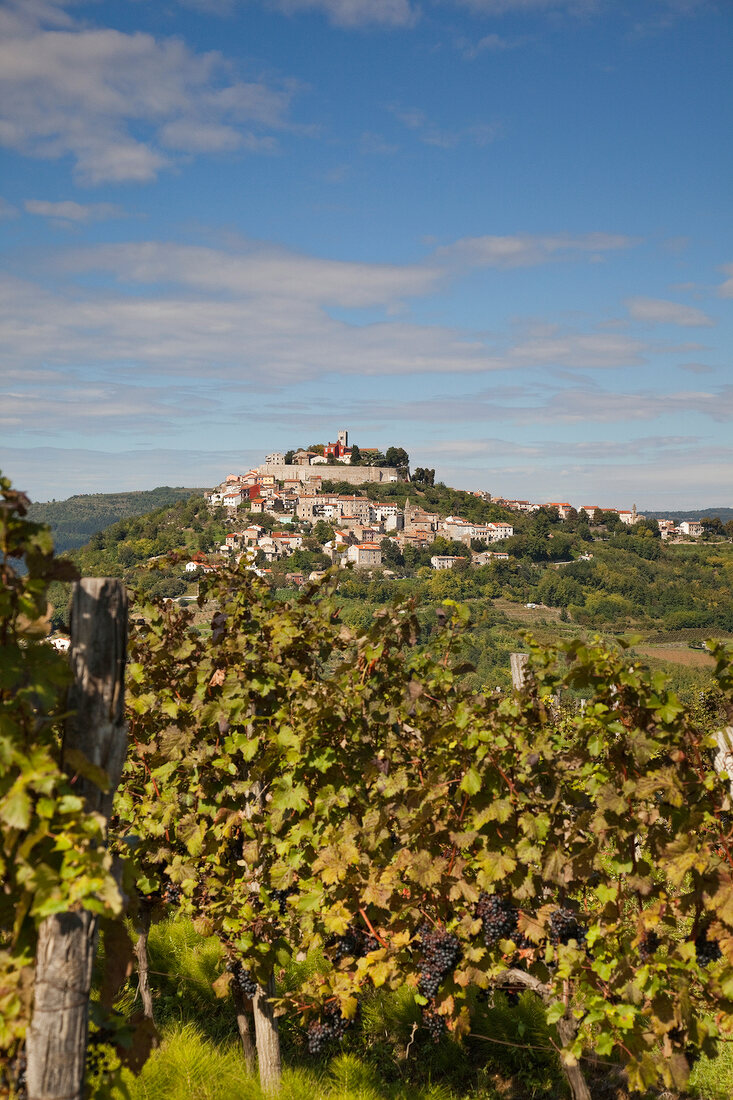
471, 782
15, 808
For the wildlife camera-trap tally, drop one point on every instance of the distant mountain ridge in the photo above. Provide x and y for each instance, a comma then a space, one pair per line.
73, 521
724, 514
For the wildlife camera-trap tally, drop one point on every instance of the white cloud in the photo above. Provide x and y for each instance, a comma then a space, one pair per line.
696, 368
489, 43
357, 13
514, 7
267, 317
68, 211
658, 311
525, 251
263, 272
543, 403
579, 350
480, 133
111, 100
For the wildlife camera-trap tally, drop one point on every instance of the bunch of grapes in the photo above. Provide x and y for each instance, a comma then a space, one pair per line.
648, 946
707, 951
235, 846
441, 952
330, 1028
355, 944
498, 917
564, 927
171, 894
281, 897
434, 1023
247, 984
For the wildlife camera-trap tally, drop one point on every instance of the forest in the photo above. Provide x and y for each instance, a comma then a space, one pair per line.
77, 518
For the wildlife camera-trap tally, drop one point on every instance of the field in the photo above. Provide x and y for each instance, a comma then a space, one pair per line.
676, 655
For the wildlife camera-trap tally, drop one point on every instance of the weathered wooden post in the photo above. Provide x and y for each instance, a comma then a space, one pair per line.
268, 1039
518, 663
724, 755
57, 1037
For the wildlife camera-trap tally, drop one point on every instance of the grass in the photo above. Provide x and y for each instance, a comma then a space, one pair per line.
712, 1078
387, 1057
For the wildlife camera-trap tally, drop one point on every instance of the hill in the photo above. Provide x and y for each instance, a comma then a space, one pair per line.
723, 514
73, 521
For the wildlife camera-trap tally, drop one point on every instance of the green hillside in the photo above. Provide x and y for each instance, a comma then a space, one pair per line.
560, 580
73, 521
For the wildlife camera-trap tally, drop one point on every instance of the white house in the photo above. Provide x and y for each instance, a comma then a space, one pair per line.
380, 512
232, 499
691, 527
444, 561
499, 531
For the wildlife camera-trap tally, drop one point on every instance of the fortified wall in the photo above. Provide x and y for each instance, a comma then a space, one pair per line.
355, 475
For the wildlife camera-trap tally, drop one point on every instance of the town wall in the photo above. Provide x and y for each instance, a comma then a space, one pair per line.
355, 475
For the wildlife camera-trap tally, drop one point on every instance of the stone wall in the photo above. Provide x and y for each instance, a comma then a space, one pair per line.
355, 475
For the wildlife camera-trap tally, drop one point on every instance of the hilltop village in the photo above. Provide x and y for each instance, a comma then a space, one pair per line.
299, 499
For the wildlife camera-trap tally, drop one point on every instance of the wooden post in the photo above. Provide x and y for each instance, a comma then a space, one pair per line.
724, 755
141, 955
57, 1036
518, 663
241, 1008
268, 1039
567, 1028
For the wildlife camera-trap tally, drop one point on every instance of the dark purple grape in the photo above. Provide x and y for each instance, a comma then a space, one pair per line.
441, 953
498, 917
330, 1028
707, 951
648, 946
564, 927
355, 944
246, 983
434, 1023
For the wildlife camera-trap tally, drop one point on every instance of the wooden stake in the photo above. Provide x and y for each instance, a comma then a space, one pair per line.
241, 1008
268, 1039
57, 1036
518, 663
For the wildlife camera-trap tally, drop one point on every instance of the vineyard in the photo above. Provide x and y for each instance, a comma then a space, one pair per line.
345, 840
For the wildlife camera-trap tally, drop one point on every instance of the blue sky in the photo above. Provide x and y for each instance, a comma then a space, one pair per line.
495, 232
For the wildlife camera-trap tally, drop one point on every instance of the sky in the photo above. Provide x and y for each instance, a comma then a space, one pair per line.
497, 233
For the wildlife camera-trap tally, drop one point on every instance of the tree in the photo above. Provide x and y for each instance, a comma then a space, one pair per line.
322, 532
424, 476
391, 554
355, 456
713, 526
397, 457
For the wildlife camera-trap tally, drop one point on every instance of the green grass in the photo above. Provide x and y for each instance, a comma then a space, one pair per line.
387, 1057
712, 1078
